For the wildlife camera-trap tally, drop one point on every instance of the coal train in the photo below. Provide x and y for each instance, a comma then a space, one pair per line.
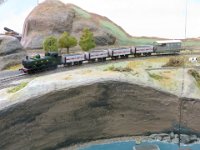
51, 60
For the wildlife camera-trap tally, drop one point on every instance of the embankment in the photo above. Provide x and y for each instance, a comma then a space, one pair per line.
85, 113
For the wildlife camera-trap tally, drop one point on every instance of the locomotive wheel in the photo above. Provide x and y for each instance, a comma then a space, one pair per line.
67, 64
115, 57
137, 55
30, 71
126, 56
80, 62
122, 56
54, 67
100, 59
92, 60
76, 63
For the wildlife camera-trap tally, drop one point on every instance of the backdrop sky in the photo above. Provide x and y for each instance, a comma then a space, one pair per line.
161, 18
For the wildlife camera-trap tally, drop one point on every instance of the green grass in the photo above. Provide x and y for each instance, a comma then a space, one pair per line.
17, 88
118, 69
143, 40
191, 43
195, 75
156, 76
82, 13
116, 31
122, 37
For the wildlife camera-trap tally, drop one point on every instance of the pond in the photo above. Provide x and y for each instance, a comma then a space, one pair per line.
128, 145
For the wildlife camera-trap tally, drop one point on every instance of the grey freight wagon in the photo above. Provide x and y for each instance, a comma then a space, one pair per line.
167, 46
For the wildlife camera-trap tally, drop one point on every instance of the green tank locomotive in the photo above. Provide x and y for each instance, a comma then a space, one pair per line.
38, 63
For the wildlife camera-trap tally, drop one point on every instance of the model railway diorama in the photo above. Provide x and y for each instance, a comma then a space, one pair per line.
51, 60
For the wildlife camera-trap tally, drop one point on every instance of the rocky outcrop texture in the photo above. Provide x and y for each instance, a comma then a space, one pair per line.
174, 138
10, 51
101, 110
53, 17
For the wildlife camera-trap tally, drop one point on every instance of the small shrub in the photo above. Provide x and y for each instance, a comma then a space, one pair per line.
17, 88
119, 69
195, 75
87, 41
110, 68
175, 62
50, 44
155, 76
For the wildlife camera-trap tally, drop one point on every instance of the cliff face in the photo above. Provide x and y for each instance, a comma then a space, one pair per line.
101, 110
53, 17
11, 51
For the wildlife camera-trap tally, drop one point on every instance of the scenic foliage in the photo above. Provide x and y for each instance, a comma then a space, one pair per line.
50, 44
87, 40
67, 41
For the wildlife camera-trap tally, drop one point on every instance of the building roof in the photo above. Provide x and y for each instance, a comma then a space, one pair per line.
168, 41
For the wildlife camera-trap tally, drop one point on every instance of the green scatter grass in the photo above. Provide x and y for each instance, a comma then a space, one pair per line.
155, 76
17, 88
191, 43
116, 31
82, 13
123, 38
195, 75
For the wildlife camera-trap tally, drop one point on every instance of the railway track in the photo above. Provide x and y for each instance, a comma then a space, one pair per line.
9, 78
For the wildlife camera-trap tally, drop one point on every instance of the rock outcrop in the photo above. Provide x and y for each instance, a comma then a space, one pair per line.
53, 17
174, 138
90, 112
11, 51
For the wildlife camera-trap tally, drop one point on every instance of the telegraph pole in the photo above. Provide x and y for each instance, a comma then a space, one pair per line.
186, 9
182, 86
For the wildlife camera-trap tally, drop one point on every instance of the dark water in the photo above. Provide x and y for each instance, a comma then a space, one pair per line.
128, 145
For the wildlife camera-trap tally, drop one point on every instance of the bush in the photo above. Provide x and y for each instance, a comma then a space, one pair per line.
175, 62
119, 69
67, 41
50, 44
195, 75
87, 41
155, 76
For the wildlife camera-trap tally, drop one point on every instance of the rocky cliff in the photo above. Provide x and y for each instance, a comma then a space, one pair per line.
11, 51
101, 110
53, 17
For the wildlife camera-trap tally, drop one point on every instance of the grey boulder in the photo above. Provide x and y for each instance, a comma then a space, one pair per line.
11, 51
9, 44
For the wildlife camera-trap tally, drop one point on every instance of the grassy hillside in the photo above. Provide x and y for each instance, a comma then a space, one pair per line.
123, 38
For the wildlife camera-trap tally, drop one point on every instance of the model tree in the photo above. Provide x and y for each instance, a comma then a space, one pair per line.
50, 44
67, 41
87, 40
